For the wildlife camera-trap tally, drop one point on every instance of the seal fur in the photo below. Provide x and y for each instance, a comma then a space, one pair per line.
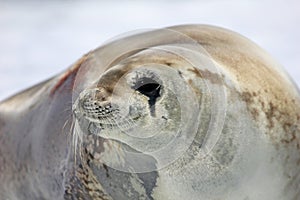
49, 152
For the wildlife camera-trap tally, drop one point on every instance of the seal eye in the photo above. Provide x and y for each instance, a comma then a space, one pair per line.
148, 87
151, 89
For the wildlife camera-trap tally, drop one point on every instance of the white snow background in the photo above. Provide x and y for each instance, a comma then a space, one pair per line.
39, 39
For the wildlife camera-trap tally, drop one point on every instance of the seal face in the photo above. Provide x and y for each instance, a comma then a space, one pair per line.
175, 113
115, 111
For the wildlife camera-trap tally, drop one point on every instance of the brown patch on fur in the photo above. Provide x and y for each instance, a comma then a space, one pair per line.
214, 78
293, 136
249, 99
168, 63
264, 89
69, 74
255, 113
196, 72
270, 114
194, 88
111, 78
276, 115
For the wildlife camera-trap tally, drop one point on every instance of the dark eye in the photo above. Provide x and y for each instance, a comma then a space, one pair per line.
151, 89
148, 87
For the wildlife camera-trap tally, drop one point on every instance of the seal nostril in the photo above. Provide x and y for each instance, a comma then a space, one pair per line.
101, 94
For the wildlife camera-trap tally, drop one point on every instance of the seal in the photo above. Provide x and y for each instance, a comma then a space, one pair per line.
184, 112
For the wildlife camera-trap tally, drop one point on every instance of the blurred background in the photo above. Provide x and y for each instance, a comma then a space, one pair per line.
39, 39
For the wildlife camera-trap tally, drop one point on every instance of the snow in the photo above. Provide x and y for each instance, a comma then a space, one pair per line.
38, 39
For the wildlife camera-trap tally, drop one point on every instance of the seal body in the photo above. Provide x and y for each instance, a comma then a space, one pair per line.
186, 112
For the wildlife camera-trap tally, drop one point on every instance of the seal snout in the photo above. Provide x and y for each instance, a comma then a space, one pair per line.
96, 103
100, 94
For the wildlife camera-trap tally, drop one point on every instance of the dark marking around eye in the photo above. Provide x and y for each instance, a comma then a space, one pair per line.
151, 89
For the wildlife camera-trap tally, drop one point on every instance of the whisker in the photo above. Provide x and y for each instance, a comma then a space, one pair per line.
65, 125
76, 140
